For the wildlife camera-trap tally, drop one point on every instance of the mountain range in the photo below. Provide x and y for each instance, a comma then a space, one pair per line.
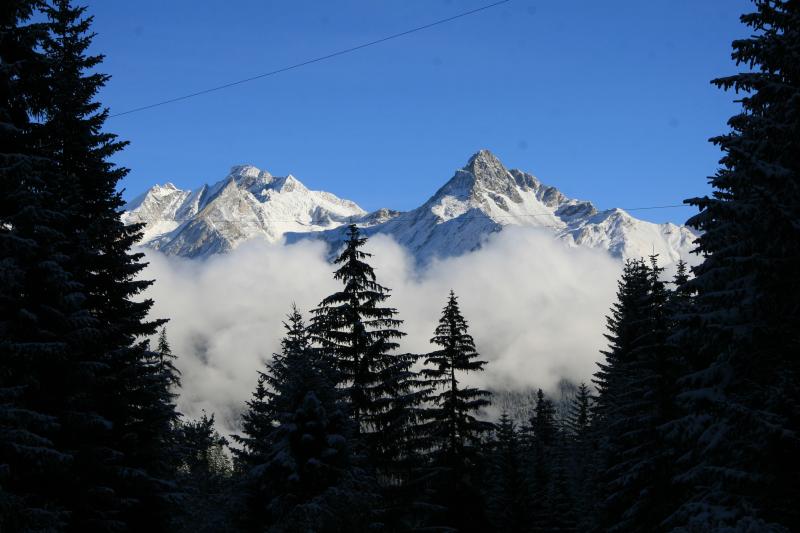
480, 199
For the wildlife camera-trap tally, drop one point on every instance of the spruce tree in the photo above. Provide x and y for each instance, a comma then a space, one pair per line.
166, 359
311, 479
358, 335
258, 419
256, 427
626, 324
636, 459
578, 422
505, 481
204, 476
451, 427
117, 403
41, 313
739, 469
550, 501
581, 445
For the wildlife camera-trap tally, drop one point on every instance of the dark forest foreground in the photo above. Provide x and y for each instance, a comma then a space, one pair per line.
691, 423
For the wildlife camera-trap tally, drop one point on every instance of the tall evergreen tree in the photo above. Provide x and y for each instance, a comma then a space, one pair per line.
310, 479
204, 475
359, 336
581, 446
451, 427
637, 392
260, 416
166, 359
256, 428
742, 419
550, 504
41, 314
626, 324
505, 481
116, 410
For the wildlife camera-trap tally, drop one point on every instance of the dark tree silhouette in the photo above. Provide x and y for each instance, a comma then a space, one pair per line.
107, 402
741, 425
453, 431
41, 312
505, 481
310, 478
359, 336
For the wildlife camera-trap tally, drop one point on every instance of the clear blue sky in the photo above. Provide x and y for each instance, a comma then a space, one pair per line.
609, 101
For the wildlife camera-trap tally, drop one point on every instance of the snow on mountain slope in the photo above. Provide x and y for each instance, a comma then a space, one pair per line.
480, 199
248, 203
484, 196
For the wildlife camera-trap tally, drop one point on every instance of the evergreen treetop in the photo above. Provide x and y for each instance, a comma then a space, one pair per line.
453, 426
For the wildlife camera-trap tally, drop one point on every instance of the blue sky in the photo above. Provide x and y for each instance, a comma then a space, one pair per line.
608, 101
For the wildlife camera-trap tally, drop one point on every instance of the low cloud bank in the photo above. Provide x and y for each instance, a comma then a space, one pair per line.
535, 307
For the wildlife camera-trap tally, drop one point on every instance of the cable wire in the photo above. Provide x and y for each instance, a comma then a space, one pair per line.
308, 62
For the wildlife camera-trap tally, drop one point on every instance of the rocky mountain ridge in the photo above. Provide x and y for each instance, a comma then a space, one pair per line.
480, 199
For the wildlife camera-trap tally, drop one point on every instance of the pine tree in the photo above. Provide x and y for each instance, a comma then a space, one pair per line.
204, 473
166, 359
41, 313
256, 428
451, 427
505, 482
578, 422
580, 441
117, 402
310, 479
358, 335
615, 404
741, 425
639, 396
260, 416
550, 501
626, 325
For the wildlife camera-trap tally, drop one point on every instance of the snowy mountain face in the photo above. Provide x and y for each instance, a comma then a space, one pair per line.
480, 199
248, 203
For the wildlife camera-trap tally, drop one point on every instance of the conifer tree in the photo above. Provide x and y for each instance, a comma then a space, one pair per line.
639, 395
256, 427
310, 479
204, 473
119, 402
550, 504
740, 428
578, 422
505, 480
627, 325
580, 441
359, 336
451, 426
260, 416
166, 359
41, 315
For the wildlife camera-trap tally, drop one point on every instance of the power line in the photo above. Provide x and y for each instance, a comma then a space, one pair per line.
310, 61
654, 207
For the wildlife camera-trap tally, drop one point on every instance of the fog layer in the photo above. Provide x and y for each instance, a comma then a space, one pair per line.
535, 307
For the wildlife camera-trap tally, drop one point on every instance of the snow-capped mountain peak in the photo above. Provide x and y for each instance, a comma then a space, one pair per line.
484, 196
479, 199
247, 203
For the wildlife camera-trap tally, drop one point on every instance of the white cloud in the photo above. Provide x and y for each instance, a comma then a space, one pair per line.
535, 306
